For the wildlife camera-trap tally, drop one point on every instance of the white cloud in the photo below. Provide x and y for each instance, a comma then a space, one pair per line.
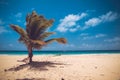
100, 35
113, 43
18, 15
115, 39
86, 46
108, 17
69, 22
62, 29
83, 34
98, 46
92, 22
94, 37
69, 45
32, 9
88, 37
18, 20
74, 29
2, 30
11, 45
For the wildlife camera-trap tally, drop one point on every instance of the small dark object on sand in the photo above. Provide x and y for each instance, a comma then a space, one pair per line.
5, 70
95, 67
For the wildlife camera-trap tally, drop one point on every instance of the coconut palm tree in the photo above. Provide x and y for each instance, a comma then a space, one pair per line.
34, 35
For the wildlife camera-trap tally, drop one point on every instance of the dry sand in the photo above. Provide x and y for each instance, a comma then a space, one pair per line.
64, 67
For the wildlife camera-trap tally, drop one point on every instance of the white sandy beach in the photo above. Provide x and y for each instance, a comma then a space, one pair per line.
64, 67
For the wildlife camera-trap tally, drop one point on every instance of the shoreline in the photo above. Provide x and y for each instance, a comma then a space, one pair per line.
61, 54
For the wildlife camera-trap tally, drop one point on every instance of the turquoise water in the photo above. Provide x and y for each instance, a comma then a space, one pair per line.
61, 52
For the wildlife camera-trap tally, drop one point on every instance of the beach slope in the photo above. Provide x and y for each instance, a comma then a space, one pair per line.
64, 67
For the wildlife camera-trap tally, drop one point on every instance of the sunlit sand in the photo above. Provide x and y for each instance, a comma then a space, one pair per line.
64, 67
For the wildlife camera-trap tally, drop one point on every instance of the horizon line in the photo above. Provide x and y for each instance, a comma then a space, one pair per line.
60, 50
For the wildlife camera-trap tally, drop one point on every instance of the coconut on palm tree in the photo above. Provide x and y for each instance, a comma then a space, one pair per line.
34, 35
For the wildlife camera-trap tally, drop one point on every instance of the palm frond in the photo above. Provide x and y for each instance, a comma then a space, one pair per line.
23, 35
24, 41
39, 27
36, 24
59, 40
44, 35
39, 42
18, 29
34, 35
36, 46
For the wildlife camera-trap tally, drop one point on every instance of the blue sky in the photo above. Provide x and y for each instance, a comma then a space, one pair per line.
86, 24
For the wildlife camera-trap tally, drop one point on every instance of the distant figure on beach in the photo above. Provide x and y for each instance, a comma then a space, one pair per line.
34, 35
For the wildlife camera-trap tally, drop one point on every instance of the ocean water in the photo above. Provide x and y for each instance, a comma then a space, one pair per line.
61, 52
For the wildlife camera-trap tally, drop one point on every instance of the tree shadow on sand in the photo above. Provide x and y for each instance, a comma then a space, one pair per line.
35, 65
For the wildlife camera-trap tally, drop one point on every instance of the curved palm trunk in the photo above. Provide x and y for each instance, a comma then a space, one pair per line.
30, 54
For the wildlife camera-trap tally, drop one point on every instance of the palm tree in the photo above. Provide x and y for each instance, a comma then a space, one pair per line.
34, 35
